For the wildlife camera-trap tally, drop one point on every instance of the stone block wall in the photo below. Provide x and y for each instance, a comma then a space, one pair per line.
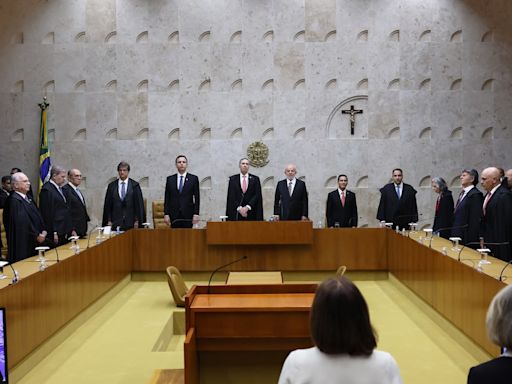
144, 81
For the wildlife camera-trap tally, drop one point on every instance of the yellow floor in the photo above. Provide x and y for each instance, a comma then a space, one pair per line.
132, 336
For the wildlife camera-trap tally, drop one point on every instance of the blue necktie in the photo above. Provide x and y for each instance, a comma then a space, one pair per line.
180, 187
123, 190
398, 191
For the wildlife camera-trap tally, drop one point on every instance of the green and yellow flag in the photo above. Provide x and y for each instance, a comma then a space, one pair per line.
45, 162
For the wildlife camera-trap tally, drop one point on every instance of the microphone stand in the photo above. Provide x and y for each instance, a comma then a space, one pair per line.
503, 270
221, 267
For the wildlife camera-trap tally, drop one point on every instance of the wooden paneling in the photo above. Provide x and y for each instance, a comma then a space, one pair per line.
454, 289
259, 232
358, 249
42, 302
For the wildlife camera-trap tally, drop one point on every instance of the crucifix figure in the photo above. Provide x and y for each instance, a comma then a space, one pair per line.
352, 113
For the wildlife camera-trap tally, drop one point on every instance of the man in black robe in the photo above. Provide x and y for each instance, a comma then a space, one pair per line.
398, 202
76, 202
5, 191
124, 205
496, 225
341, 207
54, 208
23, 222
244, 200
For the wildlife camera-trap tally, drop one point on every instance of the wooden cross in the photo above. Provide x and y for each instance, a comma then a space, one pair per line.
352, 113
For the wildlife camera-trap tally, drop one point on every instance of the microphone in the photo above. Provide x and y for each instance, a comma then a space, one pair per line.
465, 245
450, 228
90, 233
503, 270
221, 267
15, 275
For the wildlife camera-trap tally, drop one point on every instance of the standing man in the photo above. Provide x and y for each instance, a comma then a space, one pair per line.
244, 201
341, 209
467, 214
181, 204
29, 194
398, 202
5, 191
497, 215
508, 177
23, 222
55, 209
291, 198
76, 202
124, 205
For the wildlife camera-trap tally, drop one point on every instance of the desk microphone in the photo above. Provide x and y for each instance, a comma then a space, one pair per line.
221, 267
90, 233
15, 275
438, 231
465, 245
503, 270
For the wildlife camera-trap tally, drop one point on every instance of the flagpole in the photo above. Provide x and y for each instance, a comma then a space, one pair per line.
45, 163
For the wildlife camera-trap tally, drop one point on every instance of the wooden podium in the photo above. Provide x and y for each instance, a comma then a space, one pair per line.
241, 318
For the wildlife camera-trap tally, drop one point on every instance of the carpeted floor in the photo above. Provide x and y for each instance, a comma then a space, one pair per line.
132, 336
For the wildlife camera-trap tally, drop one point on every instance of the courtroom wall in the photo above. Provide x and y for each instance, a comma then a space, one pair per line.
144, 81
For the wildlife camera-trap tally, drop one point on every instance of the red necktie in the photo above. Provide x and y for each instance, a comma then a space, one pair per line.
343, 198
244, 184
487, 198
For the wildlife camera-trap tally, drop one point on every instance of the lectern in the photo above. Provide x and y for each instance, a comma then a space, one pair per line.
242, 318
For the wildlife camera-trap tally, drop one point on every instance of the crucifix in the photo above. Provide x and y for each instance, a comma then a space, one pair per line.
353, 112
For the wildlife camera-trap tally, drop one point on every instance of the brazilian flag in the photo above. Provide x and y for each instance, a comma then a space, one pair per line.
45, 162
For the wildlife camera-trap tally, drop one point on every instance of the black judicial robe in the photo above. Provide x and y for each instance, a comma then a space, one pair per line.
123, 213
495, 371
497, 223
335, 212
401, 211
23, 223
467, 217
78, 210
252, 197
443, 217
55, 212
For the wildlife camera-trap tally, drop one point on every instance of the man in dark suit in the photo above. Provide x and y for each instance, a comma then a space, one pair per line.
508, 178
496, 225
244, 201
55, 209
341, 209
467, 214
398, 202
181, 204
5, 191
291, 198
23, 223
124, 205
76, 202
30, 194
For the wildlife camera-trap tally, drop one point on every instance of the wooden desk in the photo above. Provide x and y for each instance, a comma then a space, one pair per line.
259, 232
245, 318
252, 278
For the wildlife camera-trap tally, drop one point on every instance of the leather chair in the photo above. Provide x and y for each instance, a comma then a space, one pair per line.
177, 285
158, 214
341, 271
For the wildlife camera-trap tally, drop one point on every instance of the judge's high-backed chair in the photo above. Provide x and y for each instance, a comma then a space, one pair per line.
177, 285
3, 234
158, 214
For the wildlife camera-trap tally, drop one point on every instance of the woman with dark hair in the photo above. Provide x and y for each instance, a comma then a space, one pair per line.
443, 217
499, 329
345, 342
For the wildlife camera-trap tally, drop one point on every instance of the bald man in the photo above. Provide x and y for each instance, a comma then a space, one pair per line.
508, 176
291, 198
497, 215
76, 202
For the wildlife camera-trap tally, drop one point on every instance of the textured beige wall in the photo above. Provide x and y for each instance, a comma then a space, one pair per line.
145, 81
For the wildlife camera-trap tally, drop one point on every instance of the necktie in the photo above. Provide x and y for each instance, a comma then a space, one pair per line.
398, 191
80, 196
487, 198
180, 187
244, 184
123, 190
343, 198
290, 188
461, 195
62, 193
